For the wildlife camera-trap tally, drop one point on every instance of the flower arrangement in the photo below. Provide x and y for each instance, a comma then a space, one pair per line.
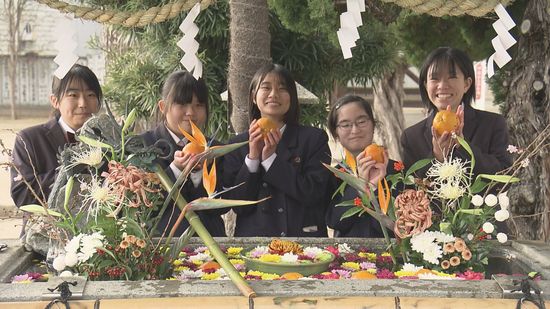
101, 217
443, 222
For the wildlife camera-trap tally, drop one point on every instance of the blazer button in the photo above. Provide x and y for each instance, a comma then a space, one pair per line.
283, 234
264, 185
280, 210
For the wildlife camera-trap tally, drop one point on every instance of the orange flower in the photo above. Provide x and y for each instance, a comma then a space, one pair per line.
449, 247
140, 243
384, 195
445, 264
455, 261
131, 239
209, 178
466, 255
350, 161
136, 253
398, 166
460, 245
197, 141
124, 244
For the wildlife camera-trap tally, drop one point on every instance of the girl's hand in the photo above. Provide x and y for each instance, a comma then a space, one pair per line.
370, 170
460, 114
271, 141
443, 144
255, 141
186, 161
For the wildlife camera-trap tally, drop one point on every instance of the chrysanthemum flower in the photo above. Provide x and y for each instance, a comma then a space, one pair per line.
448, 171
445, 264
455, 261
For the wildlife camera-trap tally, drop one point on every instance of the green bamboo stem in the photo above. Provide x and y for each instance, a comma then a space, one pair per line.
205, 236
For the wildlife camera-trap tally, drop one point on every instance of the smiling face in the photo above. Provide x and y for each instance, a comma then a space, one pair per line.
354, 127
179, 115
76, 104
273, 98
446, 86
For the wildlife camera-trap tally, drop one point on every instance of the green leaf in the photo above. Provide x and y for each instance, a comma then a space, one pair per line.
350, 212
445, 227
209, 203
218, 151
466, 146
417, 165
182, 242
129, 120
500, 178
478, 185
354, 181
346, 203
40, 210
474, 211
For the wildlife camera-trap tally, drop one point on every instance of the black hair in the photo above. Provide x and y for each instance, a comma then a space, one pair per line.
292, 116
79, 73
332, 121
179, 88
450, 57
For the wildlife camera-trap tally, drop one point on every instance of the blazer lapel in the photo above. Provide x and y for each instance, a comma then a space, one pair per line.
288, 141
470, 122
54, 134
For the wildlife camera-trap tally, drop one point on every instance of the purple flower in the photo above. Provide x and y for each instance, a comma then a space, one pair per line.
385, 274
342, 272
367, 265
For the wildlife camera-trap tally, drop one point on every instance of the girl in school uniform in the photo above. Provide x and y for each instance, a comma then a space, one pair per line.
284, 164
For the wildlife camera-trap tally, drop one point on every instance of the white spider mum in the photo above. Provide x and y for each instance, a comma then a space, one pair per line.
448, 171
98, 197
92, 156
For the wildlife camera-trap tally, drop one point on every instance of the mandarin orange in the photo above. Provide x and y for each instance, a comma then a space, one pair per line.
376, 152
266, 125
292, 276
193, 148
363, 274
445, 120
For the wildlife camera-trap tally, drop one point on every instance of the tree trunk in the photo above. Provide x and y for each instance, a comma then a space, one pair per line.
528, 114
388, 110
13, 10
249, 49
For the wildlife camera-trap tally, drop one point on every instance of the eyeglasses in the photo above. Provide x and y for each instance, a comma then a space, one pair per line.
360, 123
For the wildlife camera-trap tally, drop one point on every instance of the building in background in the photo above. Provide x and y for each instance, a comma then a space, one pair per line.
35, 65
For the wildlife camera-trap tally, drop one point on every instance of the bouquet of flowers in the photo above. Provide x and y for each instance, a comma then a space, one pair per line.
109, 195
442, 222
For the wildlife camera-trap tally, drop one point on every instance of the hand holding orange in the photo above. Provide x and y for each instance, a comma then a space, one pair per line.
445, 120
266, 125
376, 152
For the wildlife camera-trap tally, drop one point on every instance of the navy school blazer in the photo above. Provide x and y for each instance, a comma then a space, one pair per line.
295, 182
210, 218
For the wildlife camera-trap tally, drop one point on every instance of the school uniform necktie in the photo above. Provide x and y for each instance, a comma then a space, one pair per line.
70, 138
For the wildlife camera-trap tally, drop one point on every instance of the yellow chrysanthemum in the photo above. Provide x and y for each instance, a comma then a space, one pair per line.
351, 265
181, 268
440, 274
234, 250
172, 278
275, 258
182, 254
211, 276
385, 254
371, 257
270, 276
236, 261
372, 271
197, 262
177, 262
255, 273
403, 273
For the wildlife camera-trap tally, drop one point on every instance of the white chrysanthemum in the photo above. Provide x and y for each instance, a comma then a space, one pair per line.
59, 263
503, 200
90, 243
312, 252
442, 237
71, 259
66, 273
452, 171
433, 254
488, 227
344, 248
190, 274
92, 157
98, 197
411, 267
491, 200
420, 242
74, 244
502, 238
502, 215
289, 258
451, 191
477, 200
199, 257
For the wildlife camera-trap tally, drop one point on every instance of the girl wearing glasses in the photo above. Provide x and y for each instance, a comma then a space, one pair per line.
285, 164
351, 122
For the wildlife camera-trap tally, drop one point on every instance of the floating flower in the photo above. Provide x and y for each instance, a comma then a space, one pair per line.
232, 251
312, 252
210, 276
273, 258
289, 258
258, 251
351, 265
471, 275
345, 248
25, 278
367, 265
411, 267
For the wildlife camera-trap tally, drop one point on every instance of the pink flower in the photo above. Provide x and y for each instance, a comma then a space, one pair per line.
512, 149
342, 273
333, 250
471, 275
385, 274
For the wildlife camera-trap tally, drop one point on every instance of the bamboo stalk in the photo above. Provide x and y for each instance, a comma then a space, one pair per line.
205, 236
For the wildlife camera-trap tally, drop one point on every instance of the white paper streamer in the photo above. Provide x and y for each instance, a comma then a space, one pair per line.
503, 41
66, 47
349, 21
188, 44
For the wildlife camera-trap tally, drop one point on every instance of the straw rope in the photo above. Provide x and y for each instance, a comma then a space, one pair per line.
450, 7
140, 18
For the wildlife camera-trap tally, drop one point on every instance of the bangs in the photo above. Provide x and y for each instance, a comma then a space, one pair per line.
445, 62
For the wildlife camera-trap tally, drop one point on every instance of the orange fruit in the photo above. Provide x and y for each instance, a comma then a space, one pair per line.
266, 125
291, 276
445, 120
193, 148
363, 274
376, 152
210, 265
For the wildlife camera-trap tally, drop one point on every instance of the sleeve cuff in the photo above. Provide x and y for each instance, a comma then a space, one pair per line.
269, 161
253, 165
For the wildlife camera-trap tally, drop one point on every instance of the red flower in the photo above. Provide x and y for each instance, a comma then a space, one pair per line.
333, 250
357, 202
398, 166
